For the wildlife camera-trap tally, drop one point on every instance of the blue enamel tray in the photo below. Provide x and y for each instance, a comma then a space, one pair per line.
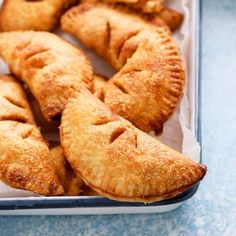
100, 205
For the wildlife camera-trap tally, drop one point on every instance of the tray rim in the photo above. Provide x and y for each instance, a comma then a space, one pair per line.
25, 203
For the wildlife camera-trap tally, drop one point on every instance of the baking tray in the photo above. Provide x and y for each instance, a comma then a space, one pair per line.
99, 205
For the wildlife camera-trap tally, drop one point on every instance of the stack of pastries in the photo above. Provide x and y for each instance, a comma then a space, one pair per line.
104, 147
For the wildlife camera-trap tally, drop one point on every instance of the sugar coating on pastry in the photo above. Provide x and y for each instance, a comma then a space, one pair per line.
51, 67
13, 101
151, 76
24, 158
172, 18
146, 6
119, 161
164, 17
71, 182
31, 15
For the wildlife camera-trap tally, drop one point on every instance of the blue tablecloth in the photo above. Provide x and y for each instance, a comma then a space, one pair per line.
212, 211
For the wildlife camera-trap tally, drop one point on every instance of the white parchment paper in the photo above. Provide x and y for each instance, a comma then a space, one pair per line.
179, 130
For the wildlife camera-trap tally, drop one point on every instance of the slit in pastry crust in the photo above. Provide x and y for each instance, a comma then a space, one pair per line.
119, 161
51, 67
24, 158
151, 74
165, 17
31, 15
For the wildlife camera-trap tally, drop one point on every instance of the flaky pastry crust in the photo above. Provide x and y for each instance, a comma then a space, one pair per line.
119, 161
13, 101
24, 157
71, 182
151, 75
52, 68
31, 15
165, 17
146, 6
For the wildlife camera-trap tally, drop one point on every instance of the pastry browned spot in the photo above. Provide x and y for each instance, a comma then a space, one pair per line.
151, 75
166, 16
24, 157
51, 67
119, 161
31, 15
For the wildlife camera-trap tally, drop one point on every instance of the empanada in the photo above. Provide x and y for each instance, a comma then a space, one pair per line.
71, 182
31, 15
165, 17
151, 75
52, 68
24, 158
119, 161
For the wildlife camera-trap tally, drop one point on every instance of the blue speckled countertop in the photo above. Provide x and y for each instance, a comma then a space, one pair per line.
212, 211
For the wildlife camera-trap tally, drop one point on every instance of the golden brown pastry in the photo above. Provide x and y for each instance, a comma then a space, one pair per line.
71, 182
165, 17
52, 68
146, 6
99, 83
151, 76
24, 157
44, 125
119, 161
13, 101
31, 15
